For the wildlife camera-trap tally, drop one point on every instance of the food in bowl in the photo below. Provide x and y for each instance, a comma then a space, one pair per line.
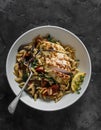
54, 66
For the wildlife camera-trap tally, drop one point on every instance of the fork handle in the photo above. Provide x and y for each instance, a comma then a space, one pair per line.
12, 106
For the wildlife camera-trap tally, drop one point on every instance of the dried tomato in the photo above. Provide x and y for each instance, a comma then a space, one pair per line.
55, 88
39, 69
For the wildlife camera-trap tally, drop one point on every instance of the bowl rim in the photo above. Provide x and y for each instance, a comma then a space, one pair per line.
63, 29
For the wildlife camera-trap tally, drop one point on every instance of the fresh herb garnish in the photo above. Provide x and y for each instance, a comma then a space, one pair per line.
51, 79
25, 77
77, 60
43, 75
49, 38
34, 63
81, 78
78, 90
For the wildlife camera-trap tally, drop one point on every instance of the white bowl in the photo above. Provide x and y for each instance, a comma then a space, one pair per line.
66, 37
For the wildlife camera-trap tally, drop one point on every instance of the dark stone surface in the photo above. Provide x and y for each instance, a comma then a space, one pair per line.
82, 17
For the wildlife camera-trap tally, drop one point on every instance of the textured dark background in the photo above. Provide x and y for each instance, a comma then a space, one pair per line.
82, 17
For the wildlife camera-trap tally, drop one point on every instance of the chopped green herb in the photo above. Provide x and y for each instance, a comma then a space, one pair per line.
81, 78
77, 60
51, 79
43, 75
25, 77
34, 63
78, 90
49, 38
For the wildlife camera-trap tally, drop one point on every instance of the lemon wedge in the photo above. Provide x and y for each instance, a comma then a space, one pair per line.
77, 81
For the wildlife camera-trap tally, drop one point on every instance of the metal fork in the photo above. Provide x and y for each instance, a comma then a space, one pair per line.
12, 106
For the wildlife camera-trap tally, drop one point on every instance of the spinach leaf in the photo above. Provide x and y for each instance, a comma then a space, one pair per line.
25, 77
34, 63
